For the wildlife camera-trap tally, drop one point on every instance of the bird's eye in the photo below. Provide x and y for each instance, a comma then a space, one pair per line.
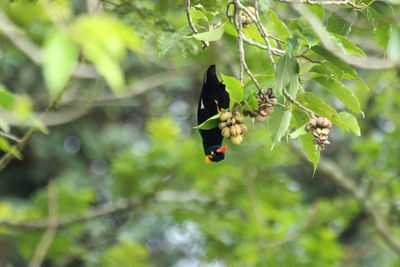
212, 153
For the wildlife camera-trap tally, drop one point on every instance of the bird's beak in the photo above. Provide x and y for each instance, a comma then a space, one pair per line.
208, 159
223, 149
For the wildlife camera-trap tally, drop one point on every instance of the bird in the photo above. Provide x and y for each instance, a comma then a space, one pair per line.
213, 100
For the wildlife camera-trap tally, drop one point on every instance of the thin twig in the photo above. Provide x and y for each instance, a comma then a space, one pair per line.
47, 238
10, 136
260, 28
322, 3
294, 101
275, 51
9, 156
336, 174
365, 63
189, 18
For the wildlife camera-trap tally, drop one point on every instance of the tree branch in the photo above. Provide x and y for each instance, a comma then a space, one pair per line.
47, 238
321, 3
190, 21
336, 174
10, 136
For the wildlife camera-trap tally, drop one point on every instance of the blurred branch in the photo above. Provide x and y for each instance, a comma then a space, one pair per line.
8, 157
34, 52
105, 210
317, 26
47, 238
10, 136
296, 234
336, 174
189, 18
321, 3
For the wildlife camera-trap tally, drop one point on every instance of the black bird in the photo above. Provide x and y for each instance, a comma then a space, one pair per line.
213, 99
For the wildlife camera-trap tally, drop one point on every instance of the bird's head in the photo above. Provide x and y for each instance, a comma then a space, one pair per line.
215, 153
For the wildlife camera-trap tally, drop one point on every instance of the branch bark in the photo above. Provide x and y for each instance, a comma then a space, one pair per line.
336, 174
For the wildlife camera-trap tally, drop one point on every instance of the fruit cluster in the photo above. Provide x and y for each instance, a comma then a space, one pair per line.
232, 126
246, 20
320, 129
264, 106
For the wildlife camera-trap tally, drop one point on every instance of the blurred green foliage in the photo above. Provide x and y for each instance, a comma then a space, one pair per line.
114, 143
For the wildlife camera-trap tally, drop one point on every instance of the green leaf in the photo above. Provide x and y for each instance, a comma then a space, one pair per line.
60, 58
346, 45
4, 125
173, 39
299, 132
277, 26
286, 67
335, 60
213, 35
211, 123
337, 24
351, 122
291, 45
234, 88
300, 119
279, 122
7, 99
230, 29
340, 91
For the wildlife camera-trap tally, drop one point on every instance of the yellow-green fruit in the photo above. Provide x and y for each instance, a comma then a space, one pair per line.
260, 118
222, 125
252, 10
238, 118
273, 100
231, 121
248, 20
225, 116
244, 128
244, 18
269, 110
235, 129
226, 132
237, 139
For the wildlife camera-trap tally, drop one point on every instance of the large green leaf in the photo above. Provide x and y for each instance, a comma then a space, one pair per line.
212, 35
7, 99
173, 39
351, 122
279, 122
335, 60
340, 91
60, 58
286, 68
211, 123
337, 24
277, 26
346, 45
234, 88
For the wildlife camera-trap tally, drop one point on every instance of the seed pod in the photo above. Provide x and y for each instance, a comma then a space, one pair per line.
244, 18
263, 113
244, 128
248, 20
235, 130
313, 122
315, 132
252, 10
323, 137
319, 130
269, 110
238, 118
320, 121
325, 131
226, 132
222, 125
231, 121
260, 118
273, 99
225, 116
329, 125
308, 127
246, 26
237, 139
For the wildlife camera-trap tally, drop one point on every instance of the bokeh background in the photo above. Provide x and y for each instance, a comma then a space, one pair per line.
127, 171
